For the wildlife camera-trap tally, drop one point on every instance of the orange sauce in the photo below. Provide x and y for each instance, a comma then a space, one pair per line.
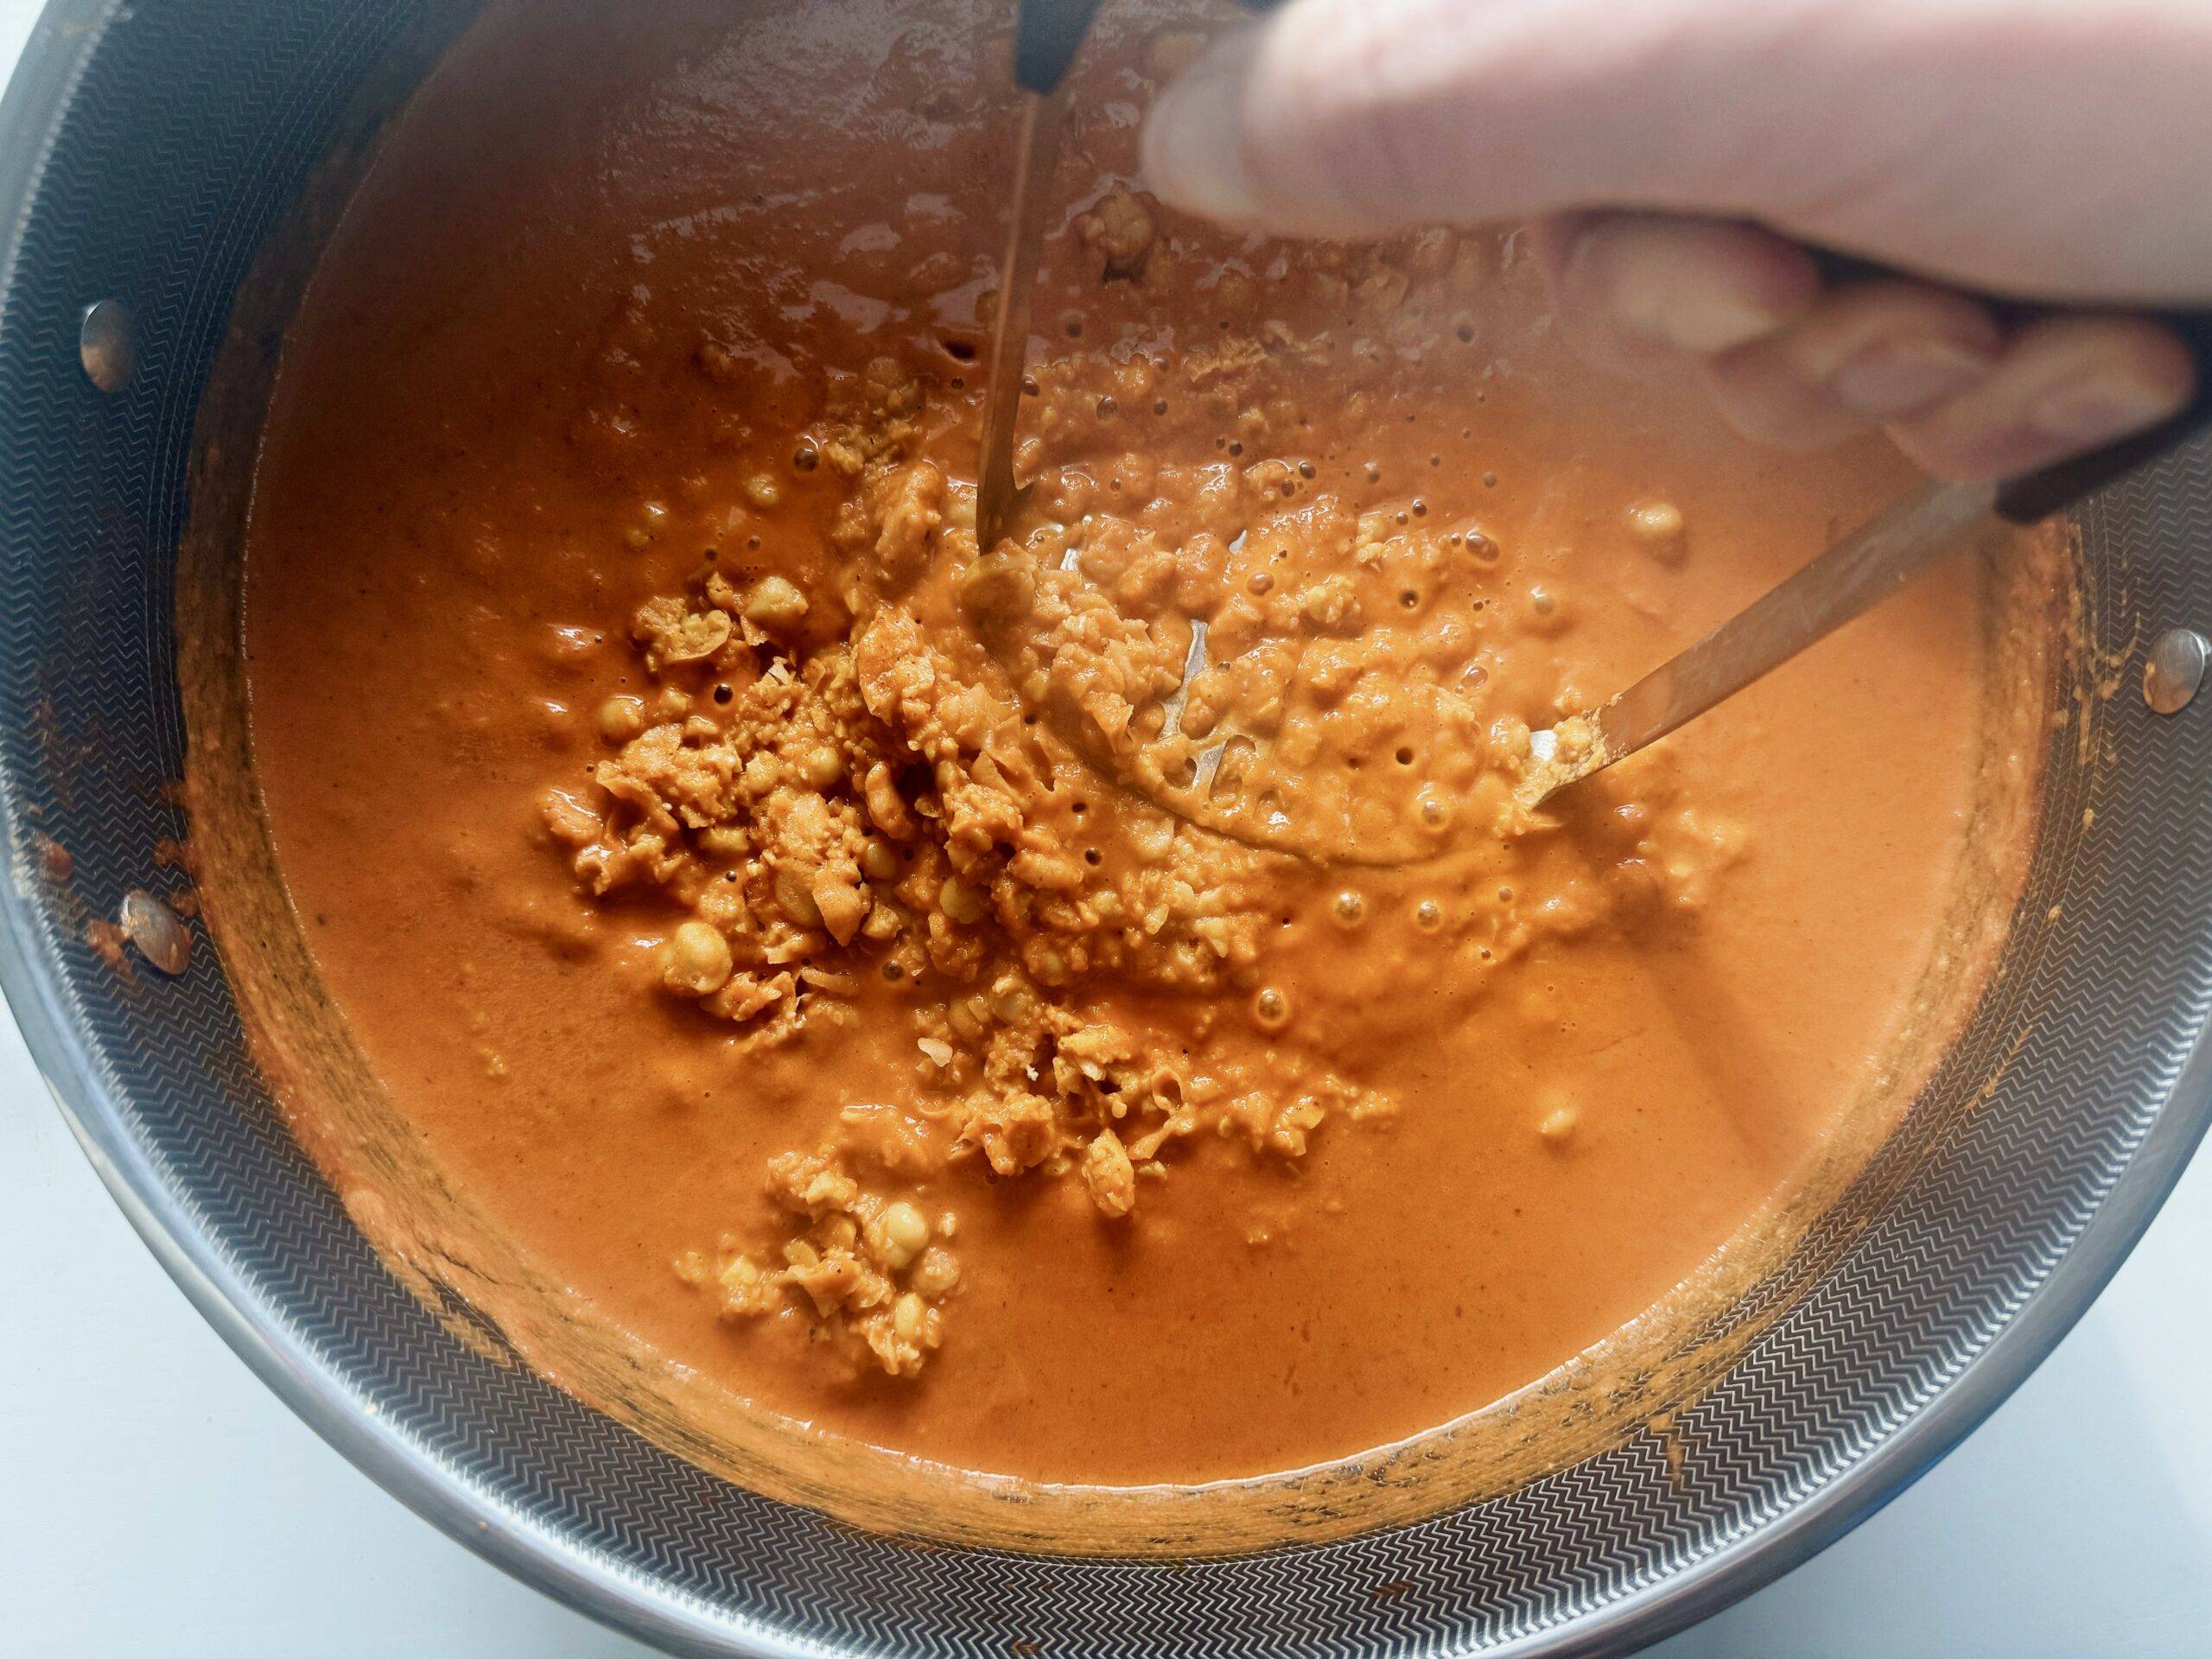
608, 274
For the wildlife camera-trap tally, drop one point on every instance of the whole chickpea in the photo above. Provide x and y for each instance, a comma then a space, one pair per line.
696, 961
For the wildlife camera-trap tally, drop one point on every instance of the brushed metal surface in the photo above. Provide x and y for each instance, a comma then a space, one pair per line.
145, 151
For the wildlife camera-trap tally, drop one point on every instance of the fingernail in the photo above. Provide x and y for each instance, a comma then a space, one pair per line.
2091, 411
1898, 375
1653, 293
1193, 148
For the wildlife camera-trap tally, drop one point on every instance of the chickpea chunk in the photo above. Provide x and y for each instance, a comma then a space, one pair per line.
621, 718
697, 961
775, 604
739, 1273
960, 901
1657, 527
897, 1236
820, 766
724, 841
908, 1315
887, 807
936, 1273
1121, 228
841, 907
795, 898
969, 1017
998, 585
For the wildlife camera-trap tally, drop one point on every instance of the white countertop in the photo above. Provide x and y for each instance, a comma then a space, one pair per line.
155, 1500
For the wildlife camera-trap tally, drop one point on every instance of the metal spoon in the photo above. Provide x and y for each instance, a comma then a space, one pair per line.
1921, 530
1918, 532
1927, 525
1046, 35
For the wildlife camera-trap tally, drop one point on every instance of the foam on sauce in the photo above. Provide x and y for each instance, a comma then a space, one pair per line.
728, 910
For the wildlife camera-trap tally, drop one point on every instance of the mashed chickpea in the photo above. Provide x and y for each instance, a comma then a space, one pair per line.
865, 783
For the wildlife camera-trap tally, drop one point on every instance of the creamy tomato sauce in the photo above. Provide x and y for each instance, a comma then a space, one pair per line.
733, 871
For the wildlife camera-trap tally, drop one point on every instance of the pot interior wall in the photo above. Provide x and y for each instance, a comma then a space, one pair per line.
183, 139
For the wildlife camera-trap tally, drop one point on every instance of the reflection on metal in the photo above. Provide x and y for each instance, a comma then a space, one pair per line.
107, 343
154, 928
2175, 670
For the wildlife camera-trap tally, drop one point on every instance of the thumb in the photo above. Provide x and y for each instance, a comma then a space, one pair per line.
2033, 146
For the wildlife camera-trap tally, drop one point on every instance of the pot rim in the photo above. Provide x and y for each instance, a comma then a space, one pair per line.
60, 43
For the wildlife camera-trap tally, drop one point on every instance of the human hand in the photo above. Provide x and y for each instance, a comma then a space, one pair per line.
1672, 156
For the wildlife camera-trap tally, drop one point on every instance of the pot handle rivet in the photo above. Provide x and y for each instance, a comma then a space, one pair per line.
107, 343
2175, 670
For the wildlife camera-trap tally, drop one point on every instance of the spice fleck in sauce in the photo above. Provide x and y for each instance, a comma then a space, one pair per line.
711, 846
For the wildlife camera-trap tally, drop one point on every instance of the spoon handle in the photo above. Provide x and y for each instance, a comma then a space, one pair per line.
1036, 150
1919, 529
1047, 33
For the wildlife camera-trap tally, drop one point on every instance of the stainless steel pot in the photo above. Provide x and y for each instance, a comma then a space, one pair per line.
146, 152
